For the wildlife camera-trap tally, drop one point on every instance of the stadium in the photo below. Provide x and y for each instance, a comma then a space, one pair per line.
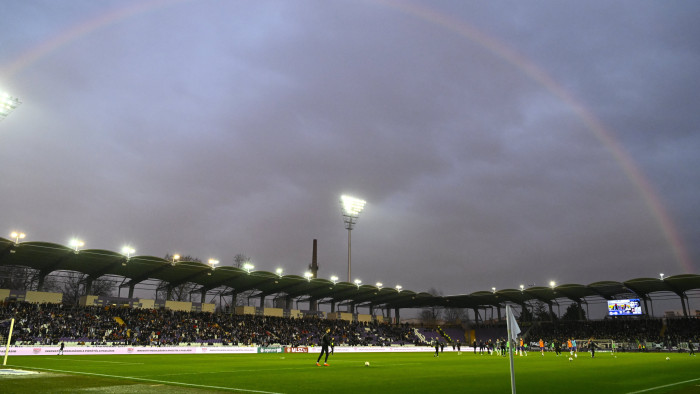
131, 344
526, 173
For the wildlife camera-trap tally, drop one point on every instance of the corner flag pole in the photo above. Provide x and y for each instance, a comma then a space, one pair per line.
513, 331
9, 338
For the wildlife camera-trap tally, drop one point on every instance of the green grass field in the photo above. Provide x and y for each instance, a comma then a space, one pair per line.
387, 373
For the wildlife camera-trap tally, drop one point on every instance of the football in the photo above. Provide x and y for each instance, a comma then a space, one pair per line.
366, 363
668, 358
571, 359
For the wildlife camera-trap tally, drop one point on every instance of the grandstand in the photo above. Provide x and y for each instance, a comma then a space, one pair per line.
117, 320
99, 326
288, 290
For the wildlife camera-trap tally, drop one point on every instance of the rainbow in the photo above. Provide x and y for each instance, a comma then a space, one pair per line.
75, 32
649, 195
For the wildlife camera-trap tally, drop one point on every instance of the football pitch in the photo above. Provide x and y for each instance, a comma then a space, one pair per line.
347, 373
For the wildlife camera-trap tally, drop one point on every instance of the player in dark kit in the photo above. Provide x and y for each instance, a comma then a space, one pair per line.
325, 343
592, 346
557, 347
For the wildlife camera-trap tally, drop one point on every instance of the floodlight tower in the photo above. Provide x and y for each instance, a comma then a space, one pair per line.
350, 208
7, 104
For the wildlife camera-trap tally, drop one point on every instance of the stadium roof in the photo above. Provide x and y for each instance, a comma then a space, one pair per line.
50, 257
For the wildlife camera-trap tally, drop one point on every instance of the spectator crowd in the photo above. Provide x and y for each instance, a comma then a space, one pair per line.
54, 323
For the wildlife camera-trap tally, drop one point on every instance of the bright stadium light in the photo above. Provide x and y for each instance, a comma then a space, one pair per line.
552, 284
77, 244
357, 283
128, 251
279, 271
493, 289
308, 275
213, 262
379, 285
248, 267
398, 288
522, 287
350, 209
662, 276
17, 235
334, 279
7, 104
176, 257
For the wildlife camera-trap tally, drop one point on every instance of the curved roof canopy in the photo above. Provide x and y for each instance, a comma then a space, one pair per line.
49, 257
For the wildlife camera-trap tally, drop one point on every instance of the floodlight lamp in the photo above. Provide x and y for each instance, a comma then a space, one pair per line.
379, 285
213, 262
248, 267
17, 235
398, 288
128, 251
279, 272
7, 104
662, 276
552, 284
522, 287
350, 209
308, 275
352, 206
176, 257
357, 282
493, 289
77, 244
334, 279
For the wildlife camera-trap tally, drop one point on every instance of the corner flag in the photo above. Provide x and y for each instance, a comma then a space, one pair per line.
513, 331
513, 328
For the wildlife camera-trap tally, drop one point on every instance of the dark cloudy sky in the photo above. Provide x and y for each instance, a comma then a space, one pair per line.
497, 143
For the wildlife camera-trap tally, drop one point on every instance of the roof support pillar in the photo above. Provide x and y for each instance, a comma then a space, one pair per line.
580, 310
551, 312
88, 285
204, 295
42, 276
398, 316
683, 301
131, 290
646, 306
498, 308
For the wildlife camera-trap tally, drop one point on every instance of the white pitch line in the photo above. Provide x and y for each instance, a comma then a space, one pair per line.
662, 387
158, 381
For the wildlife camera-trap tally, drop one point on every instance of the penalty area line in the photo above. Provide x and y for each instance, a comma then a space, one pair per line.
158, 381
663, 387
